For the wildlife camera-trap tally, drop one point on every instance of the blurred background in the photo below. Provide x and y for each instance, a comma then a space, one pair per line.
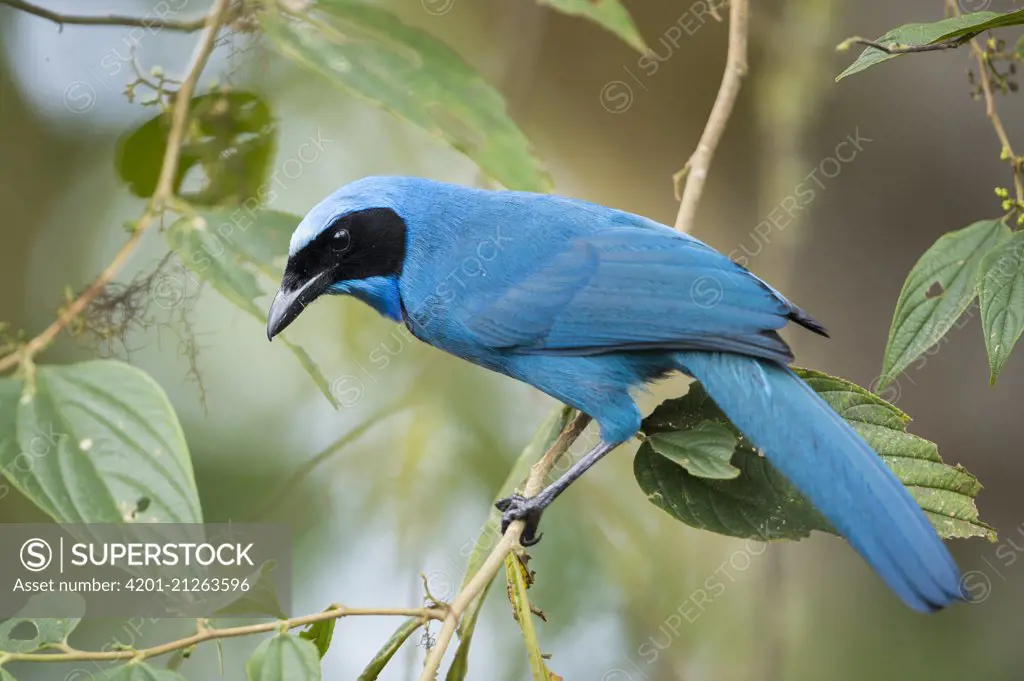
615, 575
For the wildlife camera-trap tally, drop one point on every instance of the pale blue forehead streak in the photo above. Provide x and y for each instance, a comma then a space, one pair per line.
316, 221
369, 192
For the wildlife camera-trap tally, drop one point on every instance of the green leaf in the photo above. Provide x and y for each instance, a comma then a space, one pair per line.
320, 633
24, 633
542, 440
369, 52
215, 260
1001, 293
388, 650
760, 503
608, 13
914, 35
519, 580
705, 450
5, 676
105, 447
140, 671
937, 291
284, 657
232, 138
230, 249
10, 393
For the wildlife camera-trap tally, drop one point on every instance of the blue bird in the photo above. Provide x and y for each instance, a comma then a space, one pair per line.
587, 303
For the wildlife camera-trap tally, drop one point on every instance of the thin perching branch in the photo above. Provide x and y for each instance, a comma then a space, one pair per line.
107, 20
990, 109
735, 69
508, 542
896, 48
205, 633
157, 204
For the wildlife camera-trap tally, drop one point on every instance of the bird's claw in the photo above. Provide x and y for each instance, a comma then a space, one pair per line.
518, 507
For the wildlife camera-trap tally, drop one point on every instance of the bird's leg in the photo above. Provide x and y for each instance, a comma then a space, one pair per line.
518, 507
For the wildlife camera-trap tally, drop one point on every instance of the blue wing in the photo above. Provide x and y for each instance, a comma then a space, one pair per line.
637, 286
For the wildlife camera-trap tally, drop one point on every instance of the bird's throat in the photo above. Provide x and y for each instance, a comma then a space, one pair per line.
380, 293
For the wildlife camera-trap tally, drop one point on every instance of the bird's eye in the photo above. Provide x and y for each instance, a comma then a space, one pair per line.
340, 240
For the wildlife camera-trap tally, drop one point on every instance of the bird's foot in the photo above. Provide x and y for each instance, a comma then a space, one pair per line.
518, 507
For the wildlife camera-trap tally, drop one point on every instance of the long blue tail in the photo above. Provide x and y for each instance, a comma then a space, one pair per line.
810, 444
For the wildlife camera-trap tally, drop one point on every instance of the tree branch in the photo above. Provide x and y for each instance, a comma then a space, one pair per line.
205, 633
508, 542
700, 161
164, 193
896, 48
990, 109
109, 20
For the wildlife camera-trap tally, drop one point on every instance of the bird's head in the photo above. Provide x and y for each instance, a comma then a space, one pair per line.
354, 235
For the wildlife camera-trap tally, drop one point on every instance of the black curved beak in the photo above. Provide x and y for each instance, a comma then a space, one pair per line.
291, 300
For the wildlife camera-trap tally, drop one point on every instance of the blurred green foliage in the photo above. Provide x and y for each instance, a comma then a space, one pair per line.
454, 444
